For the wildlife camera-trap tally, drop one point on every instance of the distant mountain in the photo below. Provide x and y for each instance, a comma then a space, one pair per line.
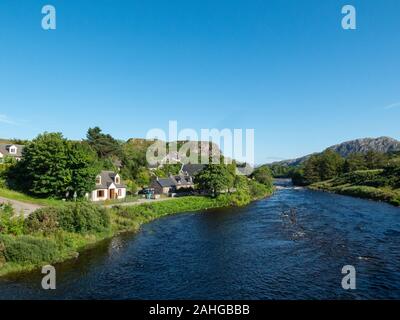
381, 144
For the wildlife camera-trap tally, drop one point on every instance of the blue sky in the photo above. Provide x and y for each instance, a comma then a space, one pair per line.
285, 68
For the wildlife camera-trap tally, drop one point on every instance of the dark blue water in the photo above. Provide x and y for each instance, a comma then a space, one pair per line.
291, 246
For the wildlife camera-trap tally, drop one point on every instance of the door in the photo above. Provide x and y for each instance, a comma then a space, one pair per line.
112, 194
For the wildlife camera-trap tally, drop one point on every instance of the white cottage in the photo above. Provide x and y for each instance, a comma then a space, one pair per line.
108, 186
10, 150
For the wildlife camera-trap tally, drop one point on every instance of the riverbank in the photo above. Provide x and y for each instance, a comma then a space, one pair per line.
55, 234
383, 194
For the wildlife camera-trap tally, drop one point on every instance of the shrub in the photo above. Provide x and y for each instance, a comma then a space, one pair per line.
82, 217
258, 190
240, 198
43, 220
9, 222
79, 217
26, 249
371, 178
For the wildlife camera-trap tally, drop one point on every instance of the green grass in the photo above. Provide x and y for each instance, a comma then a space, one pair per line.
14, 195
385, 194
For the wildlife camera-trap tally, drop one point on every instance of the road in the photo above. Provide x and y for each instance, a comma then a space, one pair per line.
21, 207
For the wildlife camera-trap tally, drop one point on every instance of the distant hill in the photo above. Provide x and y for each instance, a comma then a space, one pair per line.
381, 144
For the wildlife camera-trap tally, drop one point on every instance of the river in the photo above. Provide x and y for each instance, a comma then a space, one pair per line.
290, 246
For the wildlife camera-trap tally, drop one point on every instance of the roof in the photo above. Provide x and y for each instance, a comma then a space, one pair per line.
4, 149
173, 181
166, 182
192, 169
107, 179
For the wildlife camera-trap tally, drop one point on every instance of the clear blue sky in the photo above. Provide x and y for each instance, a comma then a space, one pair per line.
285, 68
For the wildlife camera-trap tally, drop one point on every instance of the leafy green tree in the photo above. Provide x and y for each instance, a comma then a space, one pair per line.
83, 166
143, 177
324, 166
311, 170
133, 159
104, 144
392, 172
330, 165
354, 162
263, 175
375, 160
215, 178
45, 165
54, 167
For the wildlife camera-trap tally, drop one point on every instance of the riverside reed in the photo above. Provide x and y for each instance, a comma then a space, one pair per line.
55, 234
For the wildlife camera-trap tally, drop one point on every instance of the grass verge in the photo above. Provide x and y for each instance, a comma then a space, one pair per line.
18, 196
384, 194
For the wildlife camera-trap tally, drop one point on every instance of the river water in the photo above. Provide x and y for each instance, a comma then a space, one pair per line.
290, 246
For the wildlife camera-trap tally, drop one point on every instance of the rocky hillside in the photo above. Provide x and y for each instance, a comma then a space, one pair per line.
381, 144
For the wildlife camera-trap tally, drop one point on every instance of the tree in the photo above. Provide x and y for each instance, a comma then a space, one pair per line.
143, 177
104, 144
45, 165
311, 170
354, 162
83, 167
392, 172
215, 178
324, 166
330, 165
54, 167
375, 160
263, 175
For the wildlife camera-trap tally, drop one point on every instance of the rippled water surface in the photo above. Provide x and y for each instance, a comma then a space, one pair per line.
291, 246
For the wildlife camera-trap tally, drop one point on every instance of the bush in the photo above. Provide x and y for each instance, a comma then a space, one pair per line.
371, 178
9, 222
82, 217
43, 220
258, 190
26, 249
79, 217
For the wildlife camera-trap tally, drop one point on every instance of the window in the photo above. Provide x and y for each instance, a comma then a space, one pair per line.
117, 180
98, 180
100, 193
13, 150
119, 192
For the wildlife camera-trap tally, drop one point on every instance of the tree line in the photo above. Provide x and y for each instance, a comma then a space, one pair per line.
329, 164
55, 167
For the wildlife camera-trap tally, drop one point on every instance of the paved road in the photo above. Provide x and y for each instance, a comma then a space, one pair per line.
21, 207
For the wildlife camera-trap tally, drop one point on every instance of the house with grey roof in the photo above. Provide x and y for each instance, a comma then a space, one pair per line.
11, 150
172, 184
192, 169
108, 186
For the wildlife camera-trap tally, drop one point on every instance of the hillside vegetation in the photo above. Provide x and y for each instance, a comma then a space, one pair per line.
373, 175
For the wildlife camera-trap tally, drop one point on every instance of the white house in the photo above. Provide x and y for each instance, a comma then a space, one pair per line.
10, 150
108, 186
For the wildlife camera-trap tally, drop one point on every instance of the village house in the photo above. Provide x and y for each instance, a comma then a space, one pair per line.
11, 150
175, 183
172, 184
108, 186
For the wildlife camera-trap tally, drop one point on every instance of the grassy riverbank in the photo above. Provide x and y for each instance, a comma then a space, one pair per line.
343, 186
18, 196
55, 234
